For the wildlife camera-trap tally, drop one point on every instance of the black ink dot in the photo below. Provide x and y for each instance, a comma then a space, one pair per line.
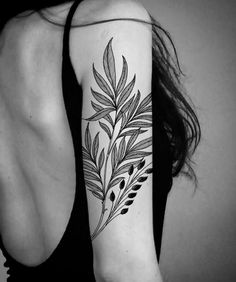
122, 184
132, 195
142, 179
136, 187
149, 170
124, 211
112, 196
129, 202
131, 170
141, 165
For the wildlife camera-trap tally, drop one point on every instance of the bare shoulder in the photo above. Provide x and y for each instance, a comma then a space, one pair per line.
89, 42
127, 7
102, 9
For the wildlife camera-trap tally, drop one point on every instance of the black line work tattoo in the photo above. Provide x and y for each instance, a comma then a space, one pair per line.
123, 118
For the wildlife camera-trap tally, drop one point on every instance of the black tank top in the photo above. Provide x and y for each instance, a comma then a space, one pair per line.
72, 260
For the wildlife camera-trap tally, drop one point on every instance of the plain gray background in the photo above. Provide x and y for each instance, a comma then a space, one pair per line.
199, 240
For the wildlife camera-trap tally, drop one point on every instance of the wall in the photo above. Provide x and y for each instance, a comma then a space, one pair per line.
199, 241
199, 232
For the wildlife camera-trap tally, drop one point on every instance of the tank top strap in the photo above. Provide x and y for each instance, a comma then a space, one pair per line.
67, 28
72, 91
78, 229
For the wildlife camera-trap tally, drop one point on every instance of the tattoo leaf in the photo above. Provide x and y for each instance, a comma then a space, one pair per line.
131, 132
121, 151
134, 105
89, 166
112, 196
136, 187
149, 170
115, 181
131, 169
88, 138
144, 110
129, 202
101, 159
124, 211
114, 157
125, 168
123, 78
147, 100
147, 109
89, 175
144, 117
93, 186
106, 129
102, 83
137, 155
100, 114
98, 108
132, 195
142, 144
124, 121
139, 124
122, 184
102, 99
109, 64
142, 179
95, 146
141, 165
126, 92
125, 108
132, 139
85, 153
97, 195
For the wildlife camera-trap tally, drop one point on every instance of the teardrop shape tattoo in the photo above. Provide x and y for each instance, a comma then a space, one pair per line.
123, 117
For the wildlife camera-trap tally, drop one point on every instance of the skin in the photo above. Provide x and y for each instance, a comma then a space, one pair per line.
35, 135
37, 175
37, 170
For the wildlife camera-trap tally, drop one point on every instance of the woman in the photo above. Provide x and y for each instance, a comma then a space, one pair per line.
76, 174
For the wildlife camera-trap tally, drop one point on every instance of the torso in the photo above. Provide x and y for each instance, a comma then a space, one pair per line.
37, 170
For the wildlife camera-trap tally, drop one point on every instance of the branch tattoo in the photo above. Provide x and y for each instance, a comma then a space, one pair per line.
124, 118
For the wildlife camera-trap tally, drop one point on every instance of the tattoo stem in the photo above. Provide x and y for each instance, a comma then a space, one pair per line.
100, 220
97, 231
109, 219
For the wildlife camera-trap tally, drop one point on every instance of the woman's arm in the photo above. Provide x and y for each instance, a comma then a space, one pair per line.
117, 144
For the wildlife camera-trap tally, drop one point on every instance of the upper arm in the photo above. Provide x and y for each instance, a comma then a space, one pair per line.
117, 142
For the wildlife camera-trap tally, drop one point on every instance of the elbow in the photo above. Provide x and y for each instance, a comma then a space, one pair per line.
127, 272
114, 277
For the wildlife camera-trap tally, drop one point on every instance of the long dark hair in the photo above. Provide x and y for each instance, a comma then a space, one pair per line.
175, 108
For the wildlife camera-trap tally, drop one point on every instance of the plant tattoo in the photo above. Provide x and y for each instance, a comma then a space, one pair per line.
123, 118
